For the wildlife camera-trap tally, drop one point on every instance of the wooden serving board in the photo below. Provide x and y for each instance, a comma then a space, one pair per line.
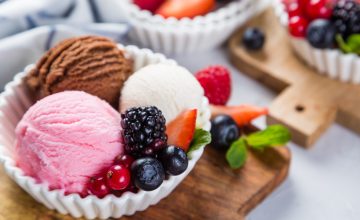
211, 191
308, 103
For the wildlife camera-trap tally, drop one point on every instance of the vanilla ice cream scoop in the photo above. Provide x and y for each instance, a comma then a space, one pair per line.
170, 88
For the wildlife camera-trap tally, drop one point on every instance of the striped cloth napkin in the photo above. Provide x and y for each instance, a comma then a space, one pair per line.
30, 27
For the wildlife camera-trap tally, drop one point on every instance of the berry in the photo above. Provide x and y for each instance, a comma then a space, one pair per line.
346, 17
154, 147
216, 82
298, 26
150, 5
321, 34
174, 160
148, 173
132, 188
125, 160
303, 4
294, 9
224, 131
253, 39
181, 130
319, 9
98, 187
158, 145
118, 177
141, 127
242, 114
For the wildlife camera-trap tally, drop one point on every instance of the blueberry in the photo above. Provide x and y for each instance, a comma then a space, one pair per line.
253, 39
147, 173
174, 160
321, 34
224, 131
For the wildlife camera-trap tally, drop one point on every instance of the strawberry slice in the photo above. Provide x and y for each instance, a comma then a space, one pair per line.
185, 8
181, 130
242, 114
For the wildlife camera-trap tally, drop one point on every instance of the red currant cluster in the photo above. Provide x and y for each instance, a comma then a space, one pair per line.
302, 12
116, 179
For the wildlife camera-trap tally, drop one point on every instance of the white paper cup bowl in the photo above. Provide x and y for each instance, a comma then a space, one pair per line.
182, 36
332, 63
14, 102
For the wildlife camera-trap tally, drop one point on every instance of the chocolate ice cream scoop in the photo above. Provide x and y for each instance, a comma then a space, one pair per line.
92, 64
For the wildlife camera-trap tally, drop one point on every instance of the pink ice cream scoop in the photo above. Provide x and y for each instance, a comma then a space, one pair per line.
66, 138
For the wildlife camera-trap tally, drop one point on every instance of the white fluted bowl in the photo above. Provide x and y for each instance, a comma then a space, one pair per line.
181, 36
330, 62
14, 102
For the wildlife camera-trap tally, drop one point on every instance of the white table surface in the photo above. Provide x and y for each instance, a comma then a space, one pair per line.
323, 183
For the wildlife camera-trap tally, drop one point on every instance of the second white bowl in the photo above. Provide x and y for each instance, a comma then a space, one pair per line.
330, 62
179, 36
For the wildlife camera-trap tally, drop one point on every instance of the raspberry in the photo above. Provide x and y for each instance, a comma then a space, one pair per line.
142, 127
216, 82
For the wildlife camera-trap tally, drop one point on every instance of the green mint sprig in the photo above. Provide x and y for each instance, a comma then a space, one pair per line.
237, 154
272, 136
351, 45
201, 138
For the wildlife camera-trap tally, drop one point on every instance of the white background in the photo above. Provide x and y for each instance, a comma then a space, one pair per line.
323, 183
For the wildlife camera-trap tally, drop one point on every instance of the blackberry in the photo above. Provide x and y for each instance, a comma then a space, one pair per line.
346, 17
142, 127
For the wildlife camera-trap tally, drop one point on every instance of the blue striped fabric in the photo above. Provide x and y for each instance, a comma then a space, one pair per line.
26, 36
50, 12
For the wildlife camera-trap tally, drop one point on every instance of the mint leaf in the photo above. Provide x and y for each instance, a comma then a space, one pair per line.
352, 45
237, 154
342, 44
201, 138
274, 135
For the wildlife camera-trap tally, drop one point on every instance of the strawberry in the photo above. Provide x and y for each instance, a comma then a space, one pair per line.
185, 8
150, 5
242, 114
180, 131
216, 82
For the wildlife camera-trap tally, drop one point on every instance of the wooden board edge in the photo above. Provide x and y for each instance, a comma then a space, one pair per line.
263, 193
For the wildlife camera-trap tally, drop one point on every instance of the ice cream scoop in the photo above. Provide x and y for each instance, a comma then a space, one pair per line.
170, 88
66, 138
92, 64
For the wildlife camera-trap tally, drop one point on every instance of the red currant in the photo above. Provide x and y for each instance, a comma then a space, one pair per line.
118, 177
303, 4
294, 9
132, 188
118, 193
125, 160
98, 187
319, 9
298, 26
